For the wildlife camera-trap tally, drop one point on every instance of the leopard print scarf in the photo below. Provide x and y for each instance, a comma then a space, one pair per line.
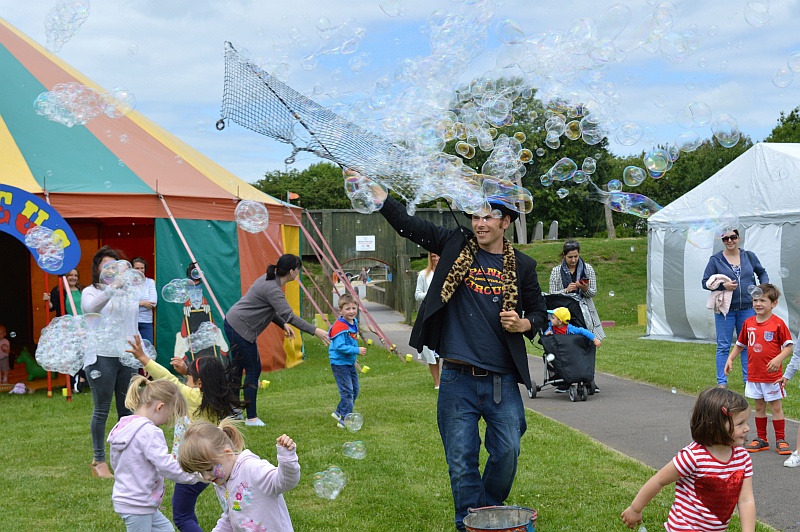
465, 260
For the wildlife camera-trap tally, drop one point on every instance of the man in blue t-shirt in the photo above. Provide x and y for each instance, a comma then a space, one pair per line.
481, 304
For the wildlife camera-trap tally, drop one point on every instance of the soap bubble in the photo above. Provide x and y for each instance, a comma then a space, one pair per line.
629, 134
63, 21
563, 169
562, 193
633, 176
614, 185
354, 449
177, 290
657, 160
589, 165
674, 390
353, 421
696, 114
204, 337
393, 8
755, 292
782, 77
611, 294
756, 13
328, 483
783, 273
726, 130
794, 62
251, 216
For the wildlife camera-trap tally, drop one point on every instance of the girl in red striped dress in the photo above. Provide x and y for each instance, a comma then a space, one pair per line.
712, 475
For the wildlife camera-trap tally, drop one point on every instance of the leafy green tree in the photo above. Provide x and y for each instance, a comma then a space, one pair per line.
788, 128
320, 186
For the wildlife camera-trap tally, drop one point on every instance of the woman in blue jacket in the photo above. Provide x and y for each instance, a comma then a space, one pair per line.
741, 267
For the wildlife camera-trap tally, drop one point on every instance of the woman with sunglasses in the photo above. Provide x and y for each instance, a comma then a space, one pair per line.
734, 270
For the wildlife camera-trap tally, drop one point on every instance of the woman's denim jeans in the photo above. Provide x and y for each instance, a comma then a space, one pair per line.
726, 324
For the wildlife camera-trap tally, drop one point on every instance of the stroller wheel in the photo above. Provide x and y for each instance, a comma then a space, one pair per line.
532, 391
590, 387
573, 392
581, 392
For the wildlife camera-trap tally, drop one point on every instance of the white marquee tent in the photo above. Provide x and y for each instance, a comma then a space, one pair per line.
763, 188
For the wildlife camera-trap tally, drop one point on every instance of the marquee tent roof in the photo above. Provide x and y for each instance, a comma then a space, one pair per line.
110, 167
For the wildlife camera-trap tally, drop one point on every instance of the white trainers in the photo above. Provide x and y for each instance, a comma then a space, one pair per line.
254, 423
793, 460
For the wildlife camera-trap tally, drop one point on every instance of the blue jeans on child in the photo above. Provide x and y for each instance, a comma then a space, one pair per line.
347, 382
726, 325
184, 501
463, 400
244, 356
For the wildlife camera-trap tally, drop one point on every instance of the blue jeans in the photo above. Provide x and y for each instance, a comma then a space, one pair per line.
347, 382
463, 400
726, 325
108, 379
244, 357
146, 331
184, 500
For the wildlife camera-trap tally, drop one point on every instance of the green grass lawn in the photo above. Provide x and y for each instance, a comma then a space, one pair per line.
401, 485
574, 482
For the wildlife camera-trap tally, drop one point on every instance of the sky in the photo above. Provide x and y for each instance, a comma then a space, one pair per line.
169, 55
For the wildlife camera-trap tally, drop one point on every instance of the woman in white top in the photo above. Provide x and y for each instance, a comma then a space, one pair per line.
108, 378
423, 282
148, 302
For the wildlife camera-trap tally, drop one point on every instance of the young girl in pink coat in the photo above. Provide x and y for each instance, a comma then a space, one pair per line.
140, 457
250, 489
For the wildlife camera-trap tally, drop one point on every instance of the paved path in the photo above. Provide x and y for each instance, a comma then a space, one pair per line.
644, 422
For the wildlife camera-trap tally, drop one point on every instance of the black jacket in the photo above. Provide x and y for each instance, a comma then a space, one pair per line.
448, 243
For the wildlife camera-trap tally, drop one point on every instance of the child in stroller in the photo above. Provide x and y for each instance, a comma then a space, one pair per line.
569, 350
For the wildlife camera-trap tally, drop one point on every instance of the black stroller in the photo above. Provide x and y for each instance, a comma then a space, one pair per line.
568, 359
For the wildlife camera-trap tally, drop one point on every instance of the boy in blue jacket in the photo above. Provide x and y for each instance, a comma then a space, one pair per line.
342, 353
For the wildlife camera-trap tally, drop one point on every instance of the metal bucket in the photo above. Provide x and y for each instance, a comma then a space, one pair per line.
501, 519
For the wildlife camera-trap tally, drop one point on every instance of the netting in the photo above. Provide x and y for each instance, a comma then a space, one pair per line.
258, 101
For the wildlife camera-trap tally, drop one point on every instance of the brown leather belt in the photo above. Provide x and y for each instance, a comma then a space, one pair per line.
463, 367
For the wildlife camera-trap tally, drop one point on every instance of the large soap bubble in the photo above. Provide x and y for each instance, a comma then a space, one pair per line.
354, 449
177, 290
251, 216
205, 336
328, 483
353, 421
633, 176
726, 130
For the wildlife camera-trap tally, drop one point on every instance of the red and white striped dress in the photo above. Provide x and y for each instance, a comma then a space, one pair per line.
708, 490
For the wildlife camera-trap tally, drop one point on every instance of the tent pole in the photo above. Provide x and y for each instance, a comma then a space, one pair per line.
191, 255
348, 286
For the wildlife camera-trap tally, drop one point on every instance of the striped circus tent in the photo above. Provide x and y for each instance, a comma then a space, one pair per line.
763, 188
118, 182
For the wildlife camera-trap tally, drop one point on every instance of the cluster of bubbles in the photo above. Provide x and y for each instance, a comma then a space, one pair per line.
328, 483
363, 193
123, 282
343, 39
48, 244
66, 341
353, 421
251, 216
355, 449
75, 104
204, 337
63, 21
553, 76
177, 290
784, 75
706, 222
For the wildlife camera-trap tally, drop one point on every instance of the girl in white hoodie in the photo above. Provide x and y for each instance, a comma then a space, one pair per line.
140, 457
250, 489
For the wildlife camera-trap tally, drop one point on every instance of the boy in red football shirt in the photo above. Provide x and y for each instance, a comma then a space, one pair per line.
768, 342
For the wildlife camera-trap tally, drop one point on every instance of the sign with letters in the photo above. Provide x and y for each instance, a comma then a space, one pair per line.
365, 242
20, 211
